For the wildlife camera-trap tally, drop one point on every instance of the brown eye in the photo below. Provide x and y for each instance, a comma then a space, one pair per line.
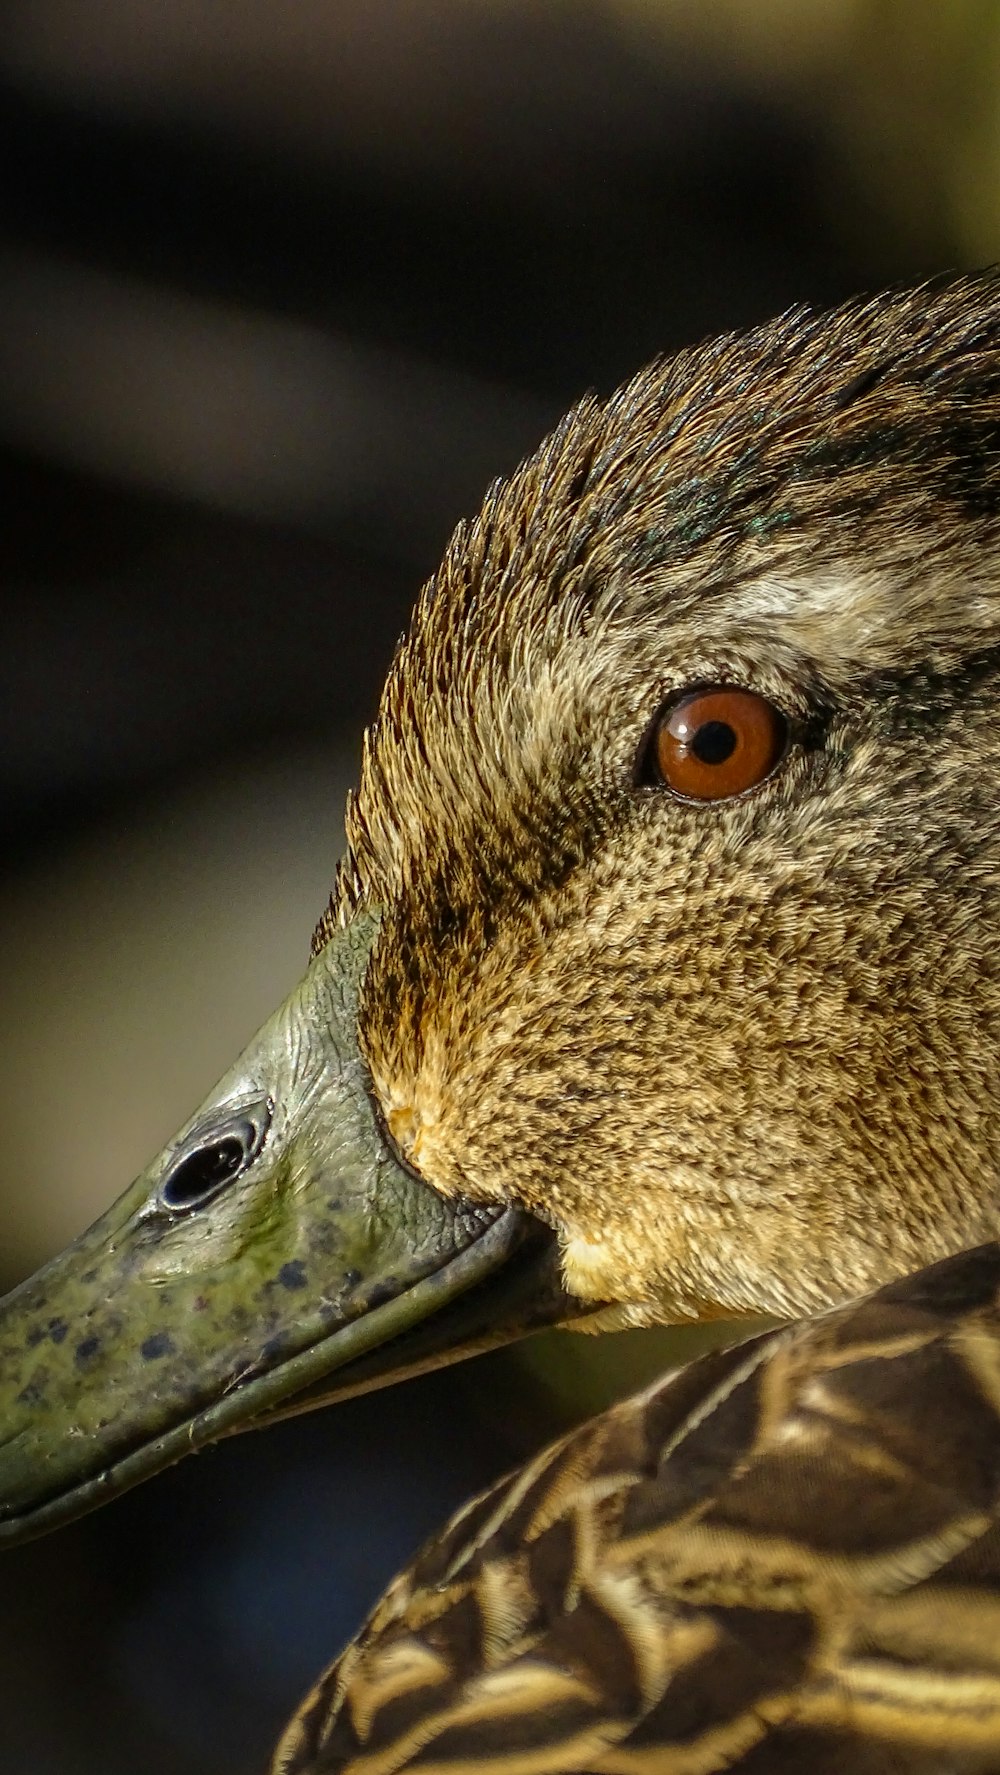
717, 742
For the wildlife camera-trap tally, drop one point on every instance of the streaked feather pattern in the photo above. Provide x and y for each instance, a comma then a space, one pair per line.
785, 1557
725, 1056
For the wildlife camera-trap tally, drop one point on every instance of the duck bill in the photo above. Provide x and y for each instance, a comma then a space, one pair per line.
274, 1256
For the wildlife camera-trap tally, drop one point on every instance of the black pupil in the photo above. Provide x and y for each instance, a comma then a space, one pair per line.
713, 742
203, 1172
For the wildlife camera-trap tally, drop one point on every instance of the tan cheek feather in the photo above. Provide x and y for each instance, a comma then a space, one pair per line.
406, 1129
590, 1270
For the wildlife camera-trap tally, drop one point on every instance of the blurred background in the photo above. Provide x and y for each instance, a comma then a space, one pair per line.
281, 288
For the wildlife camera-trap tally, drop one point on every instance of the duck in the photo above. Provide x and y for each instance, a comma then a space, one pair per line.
660, 982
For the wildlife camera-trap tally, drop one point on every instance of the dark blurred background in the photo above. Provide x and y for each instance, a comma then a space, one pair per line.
281, 288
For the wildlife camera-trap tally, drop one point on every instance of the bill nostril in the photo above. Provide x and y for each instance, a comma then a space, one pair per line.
203, 1173
213, 1157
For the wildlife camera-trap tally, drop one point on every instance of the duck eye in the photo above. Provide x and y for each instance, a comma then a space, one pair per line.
718, 742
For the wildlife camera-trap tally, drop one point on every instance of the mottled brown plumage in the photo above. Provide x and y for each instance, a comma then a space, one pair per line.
742, 1057
783, 1561
738, 1054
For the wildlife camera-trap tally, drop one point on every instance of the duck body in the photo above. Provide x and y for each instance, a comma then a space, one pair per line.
660, 981
771, 1561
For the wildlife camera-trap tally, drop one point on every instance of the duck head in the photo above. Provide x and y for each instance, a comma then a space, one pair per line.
660, 979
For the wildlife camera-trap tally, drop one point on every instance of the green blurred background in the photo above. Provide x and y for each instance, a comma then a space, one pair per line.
281, 287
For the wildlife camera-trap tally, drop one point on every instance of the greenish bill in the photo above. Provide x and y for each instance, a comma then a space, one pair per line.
274, 1256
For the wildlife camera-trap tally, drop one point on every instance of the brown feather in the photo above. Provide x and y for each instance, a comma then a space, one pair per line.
746, 1058
787, 1557
743, 1057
